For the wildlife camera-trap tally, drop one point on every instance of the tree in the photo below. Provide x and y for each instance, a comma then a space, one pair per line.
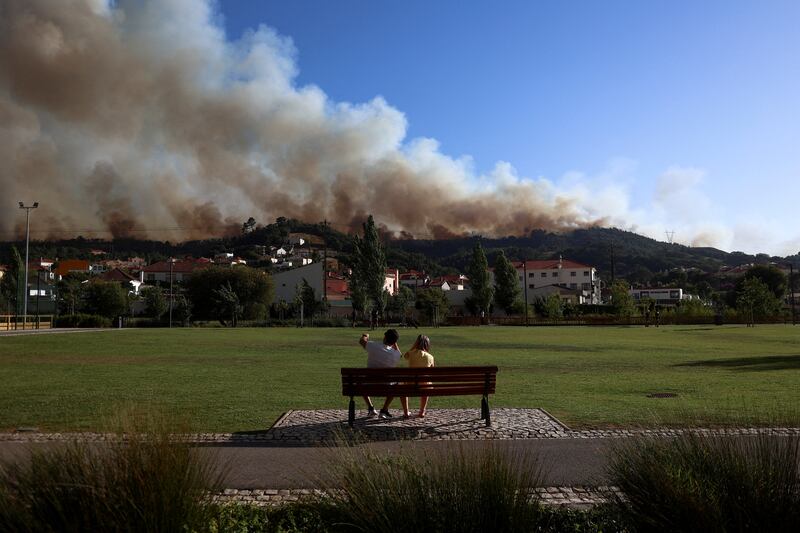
249, 226
433, 304
369, 270
155, 302
621, 299
11, 291
551, 307
307, 297
253, 288
71, 293
506, 284
479, 283
402, 302
773, 278
181, 309
755, 300
227, 304
105, 298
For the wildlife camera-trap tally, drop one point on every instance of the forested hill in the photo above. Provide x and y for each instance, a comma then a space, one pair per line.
632, 254
594, 246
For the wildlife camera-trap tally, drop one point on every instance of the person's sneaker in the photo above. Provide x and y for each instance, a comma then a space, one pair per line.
385, 414
371, 412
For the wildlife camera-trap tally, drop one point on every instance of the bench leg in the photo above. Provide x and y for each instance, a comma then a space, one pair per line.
485, 414
351, 412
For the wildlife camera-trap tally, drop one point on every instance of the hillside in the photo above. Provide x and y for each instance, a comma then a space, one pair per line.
632, 254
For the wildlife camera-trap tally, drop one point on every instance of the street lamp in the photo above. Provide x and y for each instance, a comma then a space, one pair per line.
27, 242
171, 264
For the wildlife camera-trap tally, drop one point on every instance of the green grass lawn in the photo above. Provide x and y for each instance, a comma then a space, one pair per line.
243, 379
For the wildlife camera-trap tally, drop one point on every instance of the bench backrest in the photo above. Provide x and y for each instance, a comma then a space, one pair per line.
435, 381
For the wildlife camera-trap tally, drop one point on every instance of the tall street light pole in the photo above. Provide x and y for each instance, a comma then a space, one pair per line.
27, 244
525, 285
171, 264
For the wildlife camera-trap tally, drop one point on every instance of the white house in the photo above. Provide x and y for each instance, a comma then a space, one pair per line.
562, 272
286, 282
392, 281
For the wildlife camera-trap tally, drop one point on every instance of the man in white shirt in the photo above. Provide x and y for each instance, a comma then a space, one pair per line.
381, 355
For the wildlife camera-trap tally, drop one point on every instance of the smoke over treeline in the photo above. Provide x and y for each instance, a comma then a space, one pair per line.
140, 119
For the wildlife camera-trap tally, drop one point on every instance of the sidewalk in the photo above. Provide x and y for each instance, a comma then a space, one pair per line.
292, 457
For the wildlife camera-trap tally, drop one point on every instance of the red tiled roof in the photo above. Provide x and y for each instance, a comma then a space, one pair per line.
72, 265
117, 275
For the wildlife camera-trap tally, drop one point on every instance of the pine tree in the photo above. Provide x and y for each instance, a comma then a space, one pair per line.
479, 282
369, 267
506, 284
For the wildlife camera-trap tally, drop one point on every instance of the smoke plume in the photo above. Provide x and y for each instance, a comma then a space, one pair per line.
138, 118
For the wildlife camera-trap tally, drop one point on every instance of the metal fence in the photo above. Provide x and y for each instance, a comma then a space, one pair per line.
21, 322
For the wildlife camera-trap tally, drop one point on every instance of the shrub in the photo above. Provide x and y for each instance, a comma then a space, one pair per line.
289, 518
481, 490
81, 320
145, 482
709, 483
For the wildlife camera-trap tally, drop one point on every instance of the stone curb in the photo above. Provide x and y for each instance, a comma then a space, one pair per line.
328, 427
573, 497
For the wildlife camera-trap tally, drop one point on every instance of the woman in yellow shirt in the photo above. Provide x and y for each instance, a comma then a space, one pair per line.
418, 356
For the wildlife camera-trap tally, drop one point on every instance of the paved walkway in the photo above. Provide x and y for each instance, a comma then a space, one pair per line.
328, 427
290, 459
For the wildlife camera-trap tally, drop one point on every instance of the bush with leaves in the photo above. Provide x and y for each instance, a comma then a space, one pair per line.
461, 490
144, 482
621, 299
433, 304
756, 301
713, 484
155, 302
252, 288
105, 298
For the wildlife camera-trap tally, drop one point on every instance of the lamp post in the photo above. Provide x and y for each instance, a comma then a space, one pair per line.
171, 297
525, 285
791, 290
27, 243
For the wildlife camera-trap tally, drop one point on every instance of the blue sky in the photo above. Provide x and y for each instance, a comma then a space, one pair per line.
692, 109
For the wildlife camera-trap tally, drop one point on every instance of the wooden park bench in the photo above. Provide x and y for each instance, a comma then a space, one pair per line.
414, 382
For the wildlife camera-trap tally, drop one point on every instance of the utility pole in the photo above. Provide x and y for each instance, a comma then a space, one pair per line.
791, 288
38, 285
525, 286
325, 263
171, 294
27, 243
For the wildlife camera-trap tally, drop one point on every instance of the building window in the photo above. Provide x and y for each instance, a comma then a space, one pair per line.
573, 285
544, 274
531, 285
586, 273
554, 274
531, 274
572, 274
586, 286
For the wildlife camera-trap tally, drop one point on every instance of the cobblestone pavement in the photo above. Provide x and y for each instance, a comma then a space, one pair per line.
329, 426
575, 497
